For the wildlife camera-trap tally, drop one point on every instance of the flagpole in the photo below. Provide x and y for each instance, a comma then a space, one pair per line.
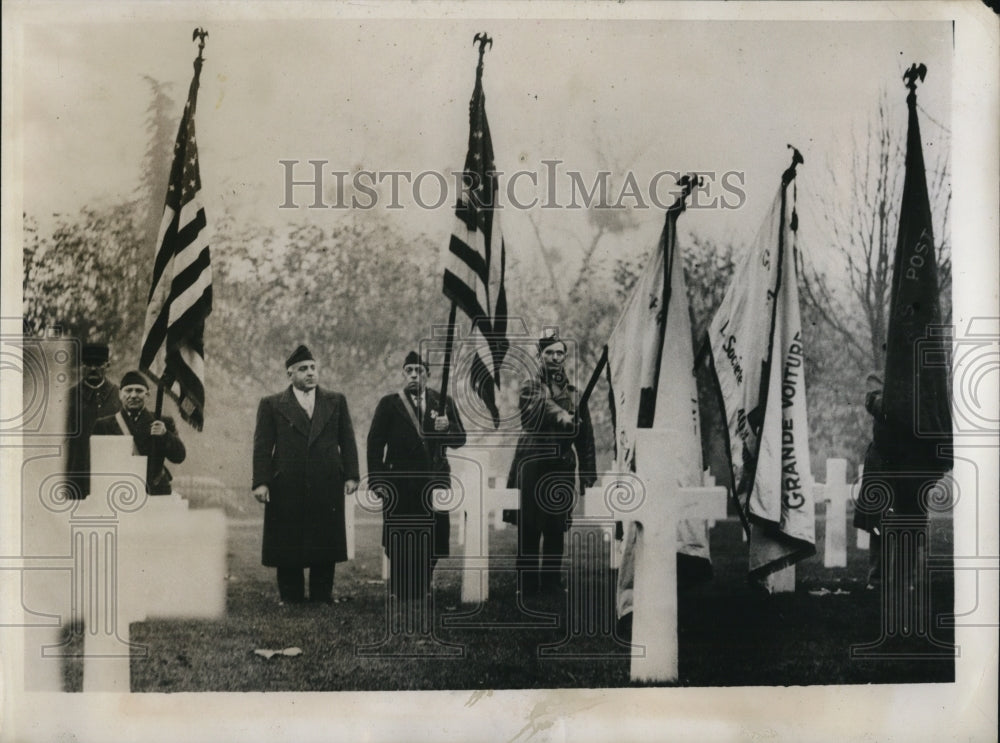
482, 39
687, 182
447, 359
755, 417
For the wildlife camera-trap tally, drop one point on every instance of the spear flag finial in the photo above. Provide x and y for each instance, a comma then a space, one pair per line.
200, 34
916, 72
797, 159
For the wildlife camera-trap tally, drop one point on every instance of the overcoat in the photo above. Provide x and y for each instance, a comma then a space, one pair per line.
305, 463
171, 446
86, 406
412, 462
556, 436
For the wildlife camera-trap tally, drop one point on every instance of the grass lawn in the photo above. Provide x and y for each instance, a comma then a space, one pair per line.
729, 635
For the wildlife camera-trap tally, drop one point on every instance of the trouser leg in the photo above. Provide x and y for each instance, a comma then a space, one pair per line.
874, 559
321, 582
291, 584
552, 552
529, 536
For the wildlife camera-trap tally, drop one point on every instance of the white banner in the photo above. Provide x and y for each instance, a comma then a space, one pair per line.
768, 425
633, 357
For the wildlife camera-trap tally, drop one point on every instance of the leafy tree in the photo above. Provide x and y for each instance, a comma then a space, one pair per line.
358, 293
88, 276
162, 120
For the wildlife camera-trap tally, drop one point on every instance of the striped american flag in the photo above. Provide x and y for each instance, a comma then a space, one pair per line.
180, 294
474, 272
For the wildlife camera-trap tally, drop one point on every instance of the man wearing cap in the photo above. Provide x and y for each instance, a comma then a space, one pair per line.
135, 420
93, 398
305, 460
556, 436
406, 461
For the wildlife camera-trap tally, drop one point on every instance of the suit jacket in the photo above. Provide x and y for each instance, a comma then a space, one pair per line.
86, 407
305, 463
411, 461
171, 446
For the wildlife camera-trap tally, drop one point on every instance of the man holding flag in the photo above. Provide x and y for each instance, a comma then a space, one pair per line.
146, 431
557, 435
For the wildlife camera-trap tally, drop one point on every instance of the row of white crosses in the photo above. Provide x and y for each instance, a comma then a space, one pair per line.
170, 563
651, 498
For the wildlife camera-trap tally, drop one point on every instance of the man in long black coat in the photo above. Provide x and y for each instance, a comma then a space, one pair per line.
95, 397
406, 461
556, 436
305, 461
133, 419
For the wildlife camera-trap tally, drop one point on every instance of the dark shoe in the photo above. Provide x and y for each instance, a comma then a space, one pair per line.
623, 627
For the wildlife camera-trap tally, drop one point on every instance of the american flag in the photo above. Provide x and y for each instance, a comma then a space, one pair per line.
180, 294
474, 273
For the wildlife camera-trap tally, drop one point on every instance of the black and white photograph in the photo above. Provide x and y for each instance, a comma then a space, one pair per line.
525, 372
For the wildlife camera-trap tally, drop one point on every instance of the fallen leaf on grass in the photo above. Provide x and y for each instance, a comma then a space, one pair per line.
828, 592
265, 653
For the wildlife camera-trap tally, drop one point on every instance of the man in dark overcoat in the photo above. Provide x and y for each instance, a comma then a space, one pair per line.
93, 398
133, 419
556, 436
305, 461
406, 461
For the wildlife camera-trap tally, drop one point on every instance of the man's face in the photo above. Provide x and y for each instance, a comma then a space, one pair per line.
554, 356
415, 378
93, 374
133, 397
304, 375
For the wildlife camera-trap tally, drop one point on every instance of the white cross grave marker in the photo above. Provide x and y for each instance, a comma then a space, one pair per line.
138, 557
662, 506
836, 493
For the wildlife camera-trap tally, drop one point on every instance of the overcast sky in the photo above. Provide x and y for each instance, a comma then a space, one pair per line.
629, 96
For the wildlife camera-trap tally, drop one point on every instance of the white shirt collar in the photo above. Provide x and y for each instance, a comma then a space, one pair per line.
305, 398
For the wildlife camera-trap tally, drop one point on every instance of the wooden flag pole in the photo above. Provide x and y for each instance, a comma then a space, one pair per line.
158, 412
447, 359
154, 460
